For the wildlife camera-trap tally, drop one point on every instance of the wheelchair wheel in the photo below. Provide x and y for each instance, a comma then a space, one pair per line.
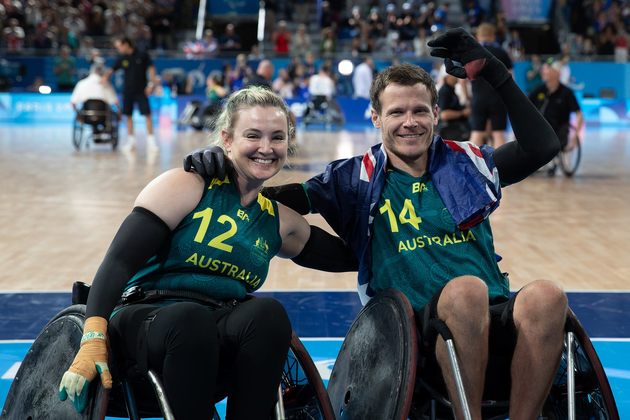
303, 392
594, 398
77, 137
34, 393
570, 160
375, 371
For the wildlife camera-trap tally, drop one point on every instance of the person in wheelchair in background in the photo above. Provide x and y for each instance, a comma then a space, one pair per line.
322, 89
414, 210
203, 113
556, 102
187, 256
89, 94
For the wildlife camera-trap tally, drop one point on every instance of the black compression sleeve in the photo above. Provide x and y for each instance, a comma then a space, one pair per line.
536, 142
326, 252
291, 195
138, 239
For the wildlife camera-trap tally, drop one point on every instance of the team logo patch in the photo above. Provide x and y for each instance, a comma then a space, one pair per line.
125, 63
259, 252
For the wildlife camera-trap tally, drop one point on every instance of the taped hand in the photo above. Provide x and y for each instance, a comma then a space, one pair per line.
476, 61
208, 162
91, 359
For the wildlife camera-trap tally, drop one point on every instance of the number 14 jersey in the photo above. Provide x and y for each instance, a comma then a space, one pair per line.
417, 248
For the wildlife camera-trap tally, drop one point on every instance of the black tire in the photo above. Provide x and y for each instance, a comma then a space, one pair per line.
304, 393
570, 160
34, 392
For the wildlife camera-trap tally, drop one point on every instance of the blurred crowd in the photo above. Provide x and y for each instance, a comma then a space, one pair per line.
81, 25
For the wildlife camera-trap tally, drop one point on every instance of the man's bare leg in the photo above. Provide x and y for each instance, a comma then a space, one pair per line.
498, 138
477, 137
539, 314
463, 305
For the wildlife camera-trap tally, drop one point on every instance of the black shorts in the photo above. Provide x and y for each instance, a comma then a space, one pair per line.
482, 111
502, 342
140, 98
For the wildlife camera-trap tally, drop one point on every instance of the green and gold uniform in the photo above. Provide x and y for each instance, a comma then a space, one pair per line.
221, 249
417, 248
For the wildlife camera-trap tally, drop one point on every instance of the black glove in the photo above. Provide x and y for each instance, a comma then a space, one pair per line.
458, 45
208, 162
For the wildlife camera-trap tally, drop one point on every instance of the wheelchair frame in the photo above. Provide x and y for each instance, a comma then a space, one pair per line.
580, 390
301, 393
110, 127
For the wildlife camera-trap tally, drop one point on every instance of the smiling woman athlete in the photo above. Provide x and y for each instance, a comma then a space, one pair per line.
202, 246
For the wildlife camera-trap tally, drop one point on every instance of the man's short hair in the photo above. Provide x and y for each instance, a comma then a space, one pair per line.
97, 68
404, 74
486, 30
126, 40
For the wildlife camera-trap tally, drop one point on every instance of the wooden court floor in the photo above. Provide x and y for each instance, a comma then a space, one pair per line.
59, 209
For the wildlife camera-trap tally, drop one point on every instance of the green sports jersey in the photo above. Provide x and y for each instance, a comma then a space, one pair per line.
417, 248
221, 249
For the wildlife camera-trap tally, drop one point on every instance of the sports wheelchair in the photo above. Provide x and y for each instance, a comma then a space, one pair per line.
34, 391
101, 118
321, 110
379, 375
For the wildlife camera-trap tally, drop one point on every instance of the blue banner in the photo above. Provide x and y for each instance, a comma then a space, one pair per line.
527, 11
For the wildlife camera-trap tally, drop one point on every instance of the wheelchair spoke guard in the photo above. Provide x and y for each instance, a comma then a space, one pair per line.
374, 375
34, 393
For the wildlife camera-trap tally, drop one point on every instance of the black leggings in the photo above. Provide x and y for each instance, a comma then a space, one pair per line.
204, 355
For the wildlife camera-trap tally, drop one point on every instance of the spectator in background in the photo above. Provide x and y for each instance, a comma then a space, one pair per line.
281, 38
242, 71
532, 74
363, 44
263, 76
607, 41
328, 44
43, 38
255, 54
301, 11
589, 48
96, 23
440, 16
162, 26
362, 78
209, 44
420, 47
327, 16
309, 64
37, 83
283, 84
64, 67
300, 42
85, 46
13, 36
75, 27
514, 46
230, 41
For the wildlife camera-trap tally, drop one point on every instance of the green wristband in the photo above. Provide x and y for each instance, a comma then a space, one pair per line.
92, 334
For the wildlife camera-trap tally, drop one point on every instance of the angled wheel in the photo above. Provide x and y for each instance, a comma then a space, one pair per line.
374, 374
77, 135
570, 159
303, 392
34, 393
594, 398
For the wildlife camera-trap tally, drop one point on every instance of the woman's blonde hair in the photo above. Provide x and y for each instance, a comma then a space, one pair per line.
245, 99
